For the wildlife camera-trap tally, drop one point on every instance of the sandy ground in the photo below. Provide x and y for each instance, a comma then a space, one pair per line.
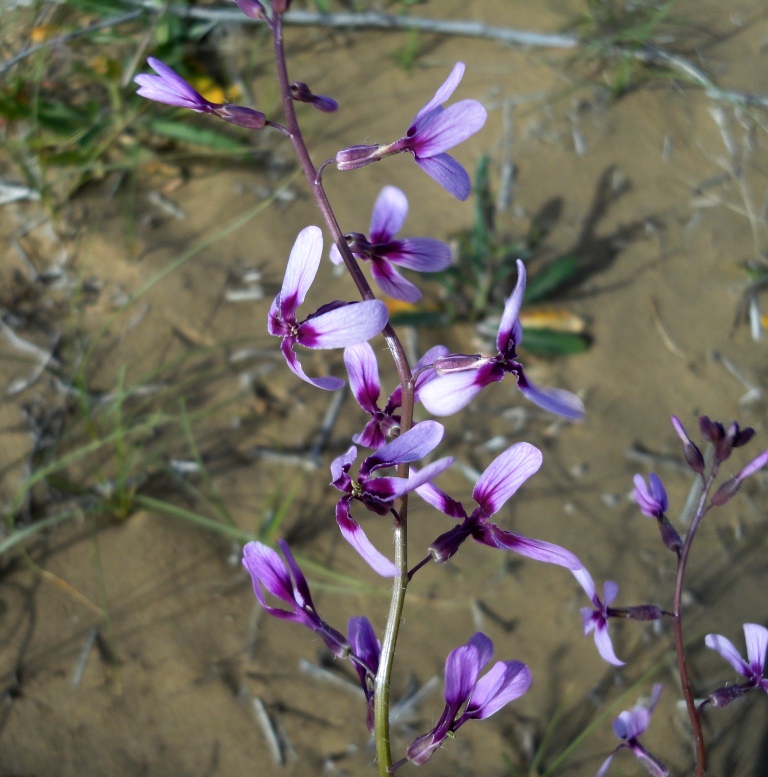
662, 215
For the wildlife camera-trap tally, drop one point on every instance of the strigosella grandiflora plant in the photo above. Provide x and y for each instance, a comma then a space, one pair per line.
443, 383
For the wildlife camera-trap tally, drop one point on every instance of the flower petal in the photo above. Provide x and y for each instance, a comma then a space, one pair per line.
554, 400
756, 637
413, 445
511, 311
365, 644
267, 569
442, 130
450, 393
505, 682
302, 267
434, 496
462, 667
445, 91
169, 87
727, 650
423, 254
392, 283
505, 474
345, 325
448, 173
586, 582
329, 384
355, 536
389, 213
539, 550
605, 646
363, 371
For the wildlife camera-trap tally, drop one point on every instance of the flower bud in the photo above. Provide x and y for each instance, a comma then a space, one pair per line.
281, 6
669, 536
726, 492
458, 362
356, 156
301, 93
252, 8
722, 697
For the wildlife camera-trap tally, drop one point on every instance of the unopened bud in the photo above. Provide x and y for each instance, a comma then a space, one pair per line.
458, 362
252, 8
669, 536
356, 156
641, 612
302, 93
722, 697
243, 117
281, 6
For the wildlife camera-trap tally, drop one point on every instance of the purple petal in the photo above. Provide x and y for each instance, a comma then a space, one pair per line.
389, 488
462, 667
267, 569
448, 173
341, 464
505, 474
586, 582
300, 588
554, 400
329, 384
604, 768
392, 283
629, 725
169, 87
302, 267
610, 590
449, 394
605, 646
413, 445
588, 619
505, 682
757, 463
727, 650
364, 643
445, 129
511, 311
756, 637
355, 536
423, 254
653, 766
434, 496
363, 371
343, 326
389, 214
539, 550
445, 91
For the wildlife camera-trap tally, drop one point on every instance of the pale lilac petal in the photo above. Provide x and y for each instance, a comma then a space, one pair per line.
448, 128
604, 768
610, 590
169, 87
462, 667
726, 649
652, 765
757, 463
392, 283
302, 267
344, 326
424, 375
505, 682
448, 173
445, 91
587, 619
328, 383
511, 311
434, 496
389, 213
505, 474
605, 646
633, 723
363, 371
423, 476
539, 550
355, 536
423, 254
413, 445
450, 393
756, 637
336, 256
554, 400
586, 582
341, 464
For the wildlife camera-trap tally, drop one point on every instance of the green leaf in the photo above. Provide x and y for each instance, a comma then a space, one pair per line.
544, 283
188, 133
548, 342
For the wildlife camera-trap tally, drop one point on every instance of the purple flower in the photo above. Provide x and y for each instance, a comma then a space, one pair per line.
336, 325
288, 584
596, 618
463, 376
651, 498
419, 253
378, 493
170, 88
628, 727
753, 668
365, 651
363, 373
432, 132
505, 682
504, 475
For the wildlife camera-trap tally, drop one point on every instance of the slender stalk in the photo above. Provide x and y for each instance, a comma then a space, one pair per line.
682, 664
389, 642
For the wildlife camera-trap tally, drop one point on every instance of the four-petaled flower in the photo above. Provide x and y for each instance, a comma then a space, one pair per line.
335, 325
378, 493
423, 254
505, 682
463, 376
756, 637
651, 498
170, 88
363, 373
433, 131
596, 618
628, 727
288, 584
503, 477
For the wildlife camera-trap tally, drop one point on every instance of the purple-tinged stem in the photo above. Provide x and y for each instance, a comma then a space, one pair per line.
677, 620
381, 697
